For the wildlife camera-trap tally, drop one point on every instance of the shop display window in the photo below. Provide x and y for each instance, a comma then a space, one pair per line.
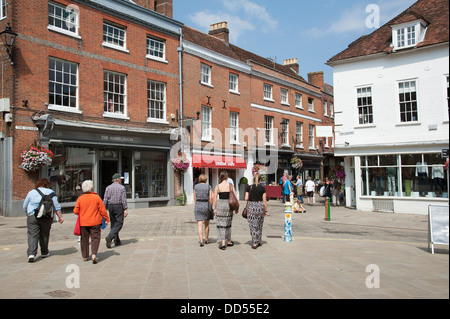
71, 166
150, 172
409, 175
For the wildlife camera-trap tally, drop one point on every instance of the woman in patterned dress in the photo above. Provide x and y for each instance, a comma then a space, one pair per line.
202, 196
222, 211
257, 209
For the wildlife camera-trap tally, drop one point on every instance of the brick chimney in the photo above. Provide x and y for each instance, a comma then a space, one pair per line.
164, 7
293, 64
316, 78
220, 31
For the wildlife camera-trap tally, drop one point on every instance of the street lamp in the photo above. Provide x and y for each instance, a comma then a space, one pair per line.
8, 37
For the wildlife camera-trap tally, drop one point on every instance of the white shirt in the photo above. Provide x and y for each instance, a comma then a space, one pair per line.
310, 186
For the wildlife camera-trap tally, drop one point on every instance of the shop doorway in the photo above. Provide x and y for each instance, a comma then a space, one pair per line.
107, 168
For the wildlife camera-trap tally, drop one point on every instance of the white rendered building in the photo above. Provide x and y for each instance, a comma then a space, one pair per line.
392, 112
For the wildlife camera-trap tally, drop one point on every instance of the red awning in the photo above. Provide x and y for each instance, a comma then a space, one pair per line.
223, 162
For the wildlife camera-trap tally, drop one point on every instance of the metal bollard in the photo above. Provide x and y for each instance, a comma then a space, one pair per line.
327, 210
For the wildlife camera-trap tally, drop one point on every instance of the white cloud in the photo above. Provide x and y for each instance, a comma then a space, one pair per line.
242, 16
353, 19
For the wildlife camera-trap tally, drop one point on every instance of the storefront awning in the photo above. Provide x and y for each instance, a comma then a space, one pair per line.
221, 162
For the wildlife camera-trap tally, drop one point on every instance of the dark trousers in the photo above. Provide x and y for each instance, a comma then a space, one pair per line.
94, 233
116, 217
38, 231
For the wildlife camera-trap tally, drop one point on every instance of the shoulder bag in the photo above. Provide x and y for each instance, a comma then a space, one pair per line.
233, 201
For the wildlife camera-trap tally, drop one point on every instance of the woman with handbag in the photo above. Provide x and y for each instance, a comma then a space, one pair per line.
91, 211
256, 209
203, 208
224, 213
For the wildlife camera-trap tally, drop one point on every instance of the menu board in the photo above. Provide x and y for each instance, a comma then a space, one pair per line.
438, 225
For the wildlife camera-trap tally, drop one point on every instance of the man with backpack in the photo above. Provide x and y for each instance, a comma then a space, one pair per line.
39, 205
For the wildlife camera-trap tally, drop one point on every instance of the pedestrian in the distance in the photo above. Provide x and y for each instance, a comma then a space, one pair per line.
115, 201
203, 202
91, 211
256, 209
38, 230
310, 189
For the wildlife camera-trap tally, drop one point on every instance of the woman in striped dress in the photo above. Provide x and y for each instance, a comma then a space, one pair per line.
224, 216
257, 209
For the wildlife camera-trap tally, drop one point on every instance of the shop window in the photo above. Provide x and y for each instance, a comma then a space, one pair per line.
71, 166
150, 173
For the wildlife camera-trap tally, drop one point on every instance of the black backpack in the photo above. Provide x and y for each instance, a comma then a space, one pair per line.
45, 208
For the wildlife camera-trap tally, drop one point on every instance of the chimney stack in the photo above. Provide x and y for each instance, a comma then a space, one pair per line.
316, 78
220, 31
293, 64
164, 7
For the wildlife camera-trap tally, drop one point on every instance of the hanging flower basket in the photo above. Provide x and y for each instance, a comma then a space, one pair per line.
260, 169
337, 173
35, 157
180, 164
296, 163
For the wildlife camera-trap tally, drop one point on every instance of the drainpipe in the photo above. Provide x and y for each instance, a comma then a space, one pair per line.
180, 65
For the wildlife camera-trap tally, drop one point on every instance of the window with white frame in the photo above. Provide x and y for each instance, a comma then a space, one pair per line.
311, 136
234, 83
114, 35
268, 129
62, 18
325, 108
408, 35
206, 123
285, 132
63, 83
234, 127
114, 92
2, 9
298, 101
365, 106
156, 95
156, 49
268, 92
299, 135
408, 101
448, 101
284, 97
310, 104
331, 109
206, 74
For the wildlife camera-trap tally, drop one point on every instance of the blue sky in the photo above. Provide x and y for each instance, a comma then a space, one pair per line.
311, 31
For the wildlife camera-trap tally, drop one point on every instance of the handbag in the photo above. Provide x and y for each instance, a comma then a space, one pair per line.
77, 230
210, 212
233, 201
245, 211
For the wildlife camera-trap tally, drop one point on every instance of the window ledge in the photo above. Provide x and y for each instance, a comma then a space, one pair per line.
157, 121
62, 31
153, 58
408, 124
64, 109
116, 116
115, 47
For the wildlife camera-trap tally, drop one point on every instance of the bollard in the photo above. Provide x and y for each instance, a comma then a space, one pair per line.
288, 222
327, 210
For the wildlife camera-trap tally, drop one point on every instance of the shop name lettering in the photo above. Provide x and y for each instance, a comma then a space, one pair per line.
109, 138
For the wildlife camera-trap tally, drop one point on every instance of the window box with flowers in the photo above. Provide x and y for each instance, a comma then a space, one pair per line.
36, 156
180, 164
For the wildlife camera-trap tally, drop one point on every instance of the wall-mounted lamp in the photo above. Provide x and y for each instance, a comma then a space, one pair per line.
8, 39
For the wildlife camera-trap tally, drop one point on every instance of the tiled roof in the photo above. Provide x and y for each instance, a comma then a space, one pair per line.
433, 12
214, 44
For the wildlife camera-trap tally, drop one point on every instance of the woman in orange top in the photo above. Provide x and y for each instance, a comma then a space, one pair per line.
91, 211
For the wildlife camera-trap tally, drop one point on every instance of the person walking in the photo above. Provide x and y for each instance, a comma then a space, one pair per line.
222, 211
310, 187
299, 186
203, 196
288, 189
115, 201
38, 230
256, 209
91, 211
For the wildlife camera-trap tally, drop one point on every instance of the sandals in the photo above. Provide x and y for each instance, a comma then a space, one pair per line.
201, 244
231, 244
222, 247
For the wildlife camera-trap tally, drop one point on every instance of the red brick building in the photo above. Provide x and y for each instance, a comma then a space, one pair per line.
252, 110
96, 81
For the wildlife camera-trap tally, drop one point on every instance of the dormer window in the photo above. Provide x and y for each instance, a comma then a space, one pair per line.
408, 35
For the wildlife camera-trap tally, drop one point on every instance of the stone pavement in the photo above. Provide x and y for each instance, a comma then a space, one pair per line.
160, 258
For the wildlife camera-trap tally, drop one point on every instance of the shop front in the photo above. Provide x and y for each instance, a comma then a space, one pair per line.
93, 152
